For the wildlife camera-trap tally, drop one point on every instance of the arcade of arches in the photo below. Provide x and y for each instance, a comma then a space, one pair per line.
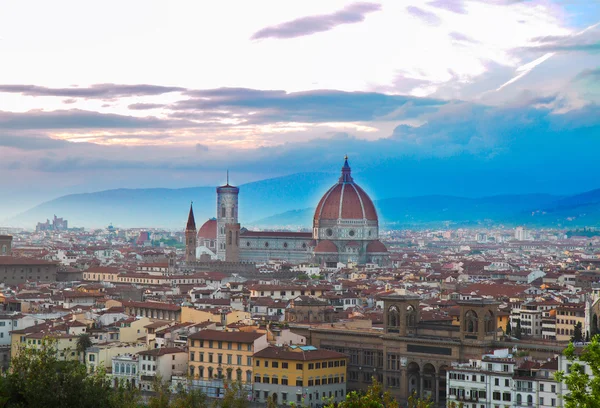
410, 355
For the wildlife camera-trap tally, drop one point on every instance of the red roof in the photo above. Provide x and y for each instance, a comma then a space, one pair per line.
376, 246
208, 230
345, 200
326, 246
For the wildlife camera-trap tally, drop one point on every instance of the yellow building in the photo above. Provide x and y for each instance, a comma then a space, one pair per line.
303, 375
567, 316
65, 344
217, 355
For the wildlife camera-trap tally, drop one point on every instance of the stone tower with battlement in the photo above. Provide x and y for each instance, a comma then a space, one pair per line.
228, 227
6, 245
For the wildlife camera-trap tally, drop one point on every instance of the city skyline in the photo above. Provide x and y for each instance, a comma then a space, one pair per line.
158, 96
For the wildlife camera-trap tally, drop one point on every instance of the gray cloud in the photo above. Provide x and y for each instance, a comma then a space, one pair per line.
145, 106
25, 141
592, 74
588, 41
354, 13
80, 119
461, 37
98, 91
456, 6
428, 17
69, 101
311, 106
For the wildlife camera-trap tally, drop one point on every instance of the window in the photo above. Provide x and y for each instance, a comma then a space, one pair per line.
311, 366
497, 382
275, 364
257, 378
266, 363
299, 382
284, 381
299, 366
249, 361
284, 365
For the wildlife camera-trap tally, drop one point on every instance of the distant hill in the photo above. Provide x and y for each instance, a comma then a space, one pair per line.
527, 209
288, 202
162, 207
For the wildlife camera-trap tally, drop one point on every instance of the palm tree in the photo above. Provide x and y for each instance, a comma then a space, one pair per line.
83, 343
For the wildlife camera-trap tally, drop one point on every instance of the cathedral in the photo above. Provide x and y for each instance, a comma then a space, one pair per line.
345, 229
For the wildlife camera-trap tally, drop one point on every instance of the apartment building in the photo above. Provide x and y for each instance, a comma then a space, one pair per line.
303, 375
218, 356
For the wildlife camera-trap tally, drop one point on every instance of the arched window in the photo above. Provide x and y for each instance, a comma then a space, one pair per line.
128, 369
223, 212
233, 212
210, 372
192, 372
4, 250
411, 316
248, 376
393, 316
471, 322
529, 400
230, 237
237, 238
519, 399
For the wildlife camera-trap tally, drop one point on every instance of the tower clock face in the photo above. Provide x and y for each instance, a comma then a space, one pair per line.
329, 232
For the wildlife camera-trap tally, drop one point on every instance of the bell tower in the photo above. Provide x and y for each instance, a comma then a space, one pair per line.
190, 237
401, 314
228, 227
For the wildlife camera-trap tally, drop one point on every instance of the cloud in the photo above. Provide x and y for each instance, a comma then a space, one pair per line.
461, 37
427, 16
145, 106
354, 13
591, 74
587, 40
69, 101
80, 119
30, 142
98, 91
456, 6
257, 106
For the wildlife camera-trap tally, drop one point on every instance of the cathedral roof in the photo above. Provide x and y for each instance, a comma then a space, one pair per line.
376, 247
345, 200
208, 230
326, 246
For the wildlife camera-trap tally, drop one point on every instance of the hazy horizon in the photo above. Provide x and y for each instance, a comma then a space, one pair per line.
468, 98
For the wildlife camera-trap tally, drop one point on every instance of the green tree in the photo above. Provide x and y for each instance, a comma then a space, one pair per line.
37, 378
577, 333
83, 343
415, 402
189, 397
518, 330
584, 389
161, 394
235, 396
508, 328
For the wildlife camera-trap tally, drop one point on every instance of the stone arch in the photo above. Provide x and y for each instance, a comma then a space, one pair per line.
411, 316
490, 322
471, 322
393, 316
442, 382
413, 375
428, 381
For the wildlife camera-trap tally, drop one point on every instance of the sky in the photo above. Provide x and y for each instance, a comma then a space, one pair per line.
469, 97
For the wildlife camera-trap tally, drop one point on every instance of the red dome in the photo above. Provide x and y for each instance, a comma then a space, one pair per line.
353, 244
376, 247
345, 200
208, 230
326, 246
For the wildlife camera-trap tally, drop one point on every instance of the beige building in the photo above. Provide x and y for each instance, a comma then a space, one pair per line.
101, 355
